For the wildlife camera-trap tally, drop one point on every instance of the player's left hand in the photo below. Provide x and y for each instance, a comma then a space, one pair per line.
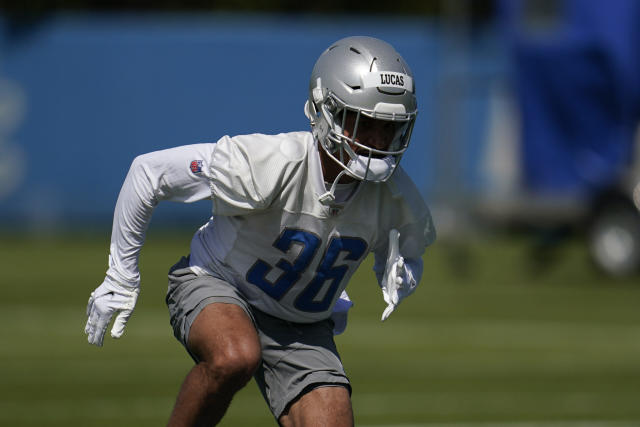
108, 299
397, 282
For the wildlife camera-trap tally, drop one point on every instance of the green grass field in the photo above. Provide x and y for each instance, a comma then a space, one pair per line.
490, 338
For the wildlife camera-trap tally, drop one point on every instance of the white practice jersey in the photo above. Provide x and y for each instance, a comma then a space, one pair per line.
288, 253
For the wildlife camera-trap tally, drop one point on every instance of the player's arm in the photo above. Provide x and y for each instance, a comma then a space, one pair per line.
398, 262
398, 258
177, 174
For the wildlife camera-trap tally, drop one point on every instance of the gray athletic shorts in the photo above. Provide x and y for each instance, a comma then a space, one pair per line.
296, 357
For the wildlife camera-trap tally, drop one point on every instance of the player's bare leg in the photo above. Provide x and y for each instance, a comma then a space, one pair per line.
226, 342
323, 406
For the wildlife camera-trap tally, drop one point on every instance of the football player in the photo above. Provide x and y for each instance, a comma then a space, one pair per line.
262, 292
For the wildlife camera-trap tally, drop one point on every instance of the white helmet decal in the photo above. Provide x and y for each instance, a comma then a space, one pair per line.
387, 79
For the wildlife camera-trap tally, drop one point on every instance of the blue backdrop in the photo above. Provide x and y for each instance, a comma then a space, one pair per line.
85, 94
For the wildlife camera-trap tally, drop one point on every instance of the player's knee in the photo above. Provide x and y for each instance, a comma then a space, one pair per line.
234, 366
330, 404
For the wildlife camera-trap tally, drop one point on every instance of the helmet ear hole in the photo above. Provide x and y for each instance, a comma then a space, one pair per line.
332, 107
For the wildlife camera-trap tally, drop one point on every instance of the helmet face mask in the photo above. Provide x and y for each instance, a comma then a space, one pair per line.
348, 125
362, 106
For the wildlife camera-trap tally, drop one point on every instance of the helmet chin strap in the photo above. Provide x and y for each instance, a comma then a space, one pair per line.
364, 169
329, 197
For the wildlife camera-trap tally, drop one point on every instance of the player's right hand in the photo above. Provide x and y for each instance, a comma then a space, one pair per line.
398, 281
106, 300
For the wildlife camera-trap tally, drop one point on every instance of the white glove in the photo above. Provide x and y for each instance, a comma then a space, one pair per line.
109, 298
398, 281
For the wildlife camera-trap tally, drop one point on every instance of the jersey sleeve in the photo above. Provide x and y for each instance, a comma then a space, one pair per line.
176, 174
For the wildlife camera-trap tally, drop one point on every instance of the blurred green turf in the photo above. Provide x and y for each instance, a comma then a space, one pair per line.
490, 337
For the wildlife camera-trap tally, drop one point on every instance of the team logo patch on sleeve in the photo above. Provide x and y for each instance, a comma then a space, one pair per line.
196, 166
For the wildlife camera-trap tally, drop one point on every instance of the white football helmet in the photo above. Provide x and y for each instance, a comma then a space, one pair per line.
362, 77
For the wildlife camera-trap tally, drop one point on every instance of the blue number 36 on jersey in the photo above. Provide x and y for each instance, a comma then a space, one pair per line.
307, 299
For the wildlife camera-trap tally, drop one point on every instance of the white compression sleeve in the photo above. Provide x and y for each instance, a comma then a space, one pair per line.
152, 177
